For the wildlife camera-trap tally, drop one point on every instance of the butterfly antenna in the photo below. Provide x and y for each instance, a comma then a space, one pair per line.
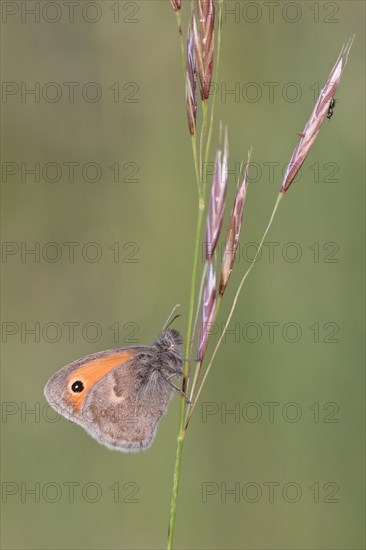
171, 319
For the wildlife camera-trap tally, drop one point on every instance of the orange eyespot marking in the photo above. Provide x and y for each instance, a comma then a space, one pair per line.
81, 380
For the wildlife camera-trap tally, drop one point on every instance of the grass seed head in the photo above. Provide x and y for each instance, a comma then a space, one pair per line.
234, 229
319, 113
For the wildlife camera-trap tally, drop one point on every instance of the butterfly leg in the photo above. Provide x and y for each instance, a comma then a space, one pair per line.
167, 378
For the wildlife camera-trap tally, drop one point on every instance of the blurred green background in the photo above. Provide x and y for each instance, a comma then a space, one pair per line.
314, 384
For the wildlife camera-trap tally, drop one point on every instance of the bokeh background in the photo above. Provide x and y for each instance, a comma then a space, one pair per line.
310, 373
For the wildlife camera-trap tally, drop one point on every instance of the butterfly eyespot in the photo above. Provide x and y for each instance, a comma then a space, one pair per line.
77, 386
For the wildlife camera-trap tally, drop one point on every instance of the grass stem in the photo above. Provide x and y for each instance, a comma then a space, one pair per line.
181, 431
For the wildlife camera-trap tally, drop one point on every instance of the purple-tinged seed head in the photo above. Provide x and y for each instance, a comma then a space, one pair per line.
204, 40
208, 311
176, 4
191, 75
234, 229
319, 113
217, 199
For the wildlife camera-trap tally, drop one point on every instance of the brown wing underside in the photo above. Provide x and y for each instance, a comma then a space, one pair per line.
123, 409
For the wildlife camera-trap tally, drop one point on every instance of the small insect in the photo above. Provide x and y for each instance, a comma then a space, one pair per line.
331, 108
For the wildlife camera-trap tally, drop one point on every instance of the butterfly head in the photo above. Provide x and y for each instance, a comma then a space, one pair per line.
170, 345
170, 340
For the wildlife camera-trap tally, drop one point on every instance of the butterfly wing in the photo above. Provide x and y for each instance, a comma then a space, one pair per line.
87, 371
123, 410
116, 396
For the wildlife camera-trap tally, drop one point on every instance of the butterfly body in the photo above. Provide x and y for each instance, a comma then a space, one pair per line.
118, 396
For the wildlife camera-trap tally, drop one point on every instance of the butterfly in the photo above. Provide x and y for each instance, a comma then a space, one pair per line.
119, 395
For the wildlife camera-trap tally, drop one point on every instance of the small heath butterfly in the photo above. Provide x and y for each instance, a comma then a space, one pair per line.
118, 396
